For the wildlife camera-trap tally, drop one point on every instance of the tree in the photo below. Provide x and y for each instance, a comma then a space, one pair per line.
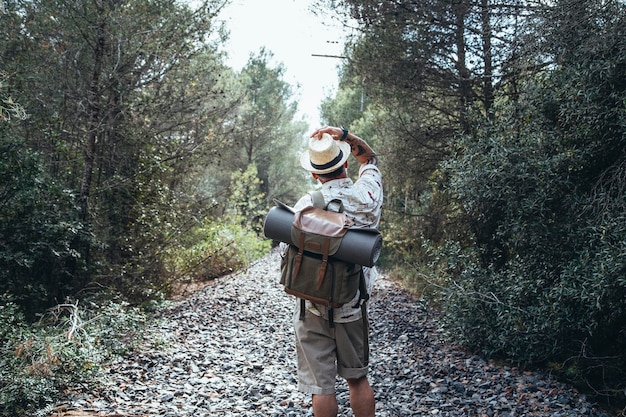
39, 264
263, 132
507, 120
428, 72
541, 188
116, 116
421, 68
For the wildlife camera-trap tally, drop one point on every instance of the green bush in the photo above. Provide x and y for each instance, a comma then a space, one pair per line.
542, 277
66, 348
39, 236
229, 239
222, 246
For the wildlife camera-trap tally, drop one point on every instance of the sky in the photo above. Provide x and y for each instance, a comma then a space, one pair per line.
289, 30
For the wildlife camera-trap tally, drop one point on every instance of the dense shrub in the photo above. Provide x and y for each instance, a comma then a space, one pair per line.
542, 191
39, 262
228, 239
221, 247
67, 348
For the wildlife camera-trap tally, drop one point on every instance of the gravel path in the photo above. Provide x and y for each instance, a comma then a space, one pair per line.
229, 351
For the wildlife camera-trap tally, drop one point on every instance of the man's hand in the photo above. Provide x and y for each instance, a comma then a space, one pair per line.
335, 132
360, 149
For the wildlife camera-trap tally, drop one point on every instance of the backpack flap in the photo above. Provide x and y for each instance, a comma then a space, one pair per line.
317, 224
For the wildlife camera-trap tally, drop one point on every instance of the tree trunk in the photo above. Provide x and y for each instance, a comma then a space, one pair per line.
487, 57
465, 90
93, 126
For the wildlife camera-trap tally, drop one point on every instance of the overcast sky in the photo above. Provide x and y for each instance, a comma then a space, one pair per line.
293, 34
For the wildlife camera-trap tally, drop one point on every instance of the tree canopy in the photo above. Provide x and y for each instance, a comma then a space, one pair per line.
134, 127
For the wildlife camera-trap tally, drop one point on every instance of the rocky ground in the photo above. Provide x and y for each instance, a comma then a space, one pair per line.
227, 350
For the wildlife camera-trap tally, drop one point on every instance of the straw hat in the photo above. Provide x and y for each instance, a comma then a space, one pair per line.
324, 155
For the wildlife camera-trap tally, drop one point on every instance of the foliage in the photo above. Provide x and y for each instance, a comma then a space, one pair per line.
262, 131
229, 241
408, 74
66, 348
346, 106
131, 157
39, 235
137, 122
221, 247
542, 192
9, 109
515, 198
38, 232
247, 201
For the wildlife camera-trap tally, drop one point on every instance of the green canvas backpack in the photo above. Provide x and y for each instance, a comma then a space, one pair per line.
308, 269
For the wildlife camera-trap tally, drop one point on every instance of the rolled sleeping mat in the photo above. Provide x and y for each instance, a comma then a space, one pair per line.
360, 246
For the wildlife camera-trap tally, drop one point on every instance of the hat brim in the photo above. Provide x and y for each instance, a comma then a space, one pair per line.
306, 162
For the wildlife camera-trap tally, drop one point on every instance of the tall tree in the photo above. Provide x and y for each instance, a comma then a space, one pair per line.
113, 111
540, 187
427, 68
263, 131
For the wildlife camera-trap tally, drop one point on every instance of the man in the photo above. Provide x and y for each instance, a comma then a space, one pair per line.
325, 351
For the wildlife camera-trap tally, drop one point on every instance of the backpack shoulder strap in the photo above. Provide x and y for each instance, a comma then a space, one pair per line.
318, 199
335, 205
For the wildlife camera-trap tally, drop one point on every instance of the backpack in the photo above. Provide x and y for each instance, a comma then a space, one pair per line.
308, 269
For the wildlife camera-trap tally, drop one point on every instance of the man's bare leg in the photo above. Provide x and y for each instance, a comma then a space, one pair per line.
325, 405
361, 397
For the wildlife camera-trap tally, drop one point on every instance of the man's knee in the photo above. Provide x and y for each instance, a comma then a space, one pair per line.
357, 382
325, 405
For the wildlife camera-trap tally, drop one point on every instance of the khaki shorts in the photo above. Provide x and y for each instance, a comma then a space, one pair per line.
324, 352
